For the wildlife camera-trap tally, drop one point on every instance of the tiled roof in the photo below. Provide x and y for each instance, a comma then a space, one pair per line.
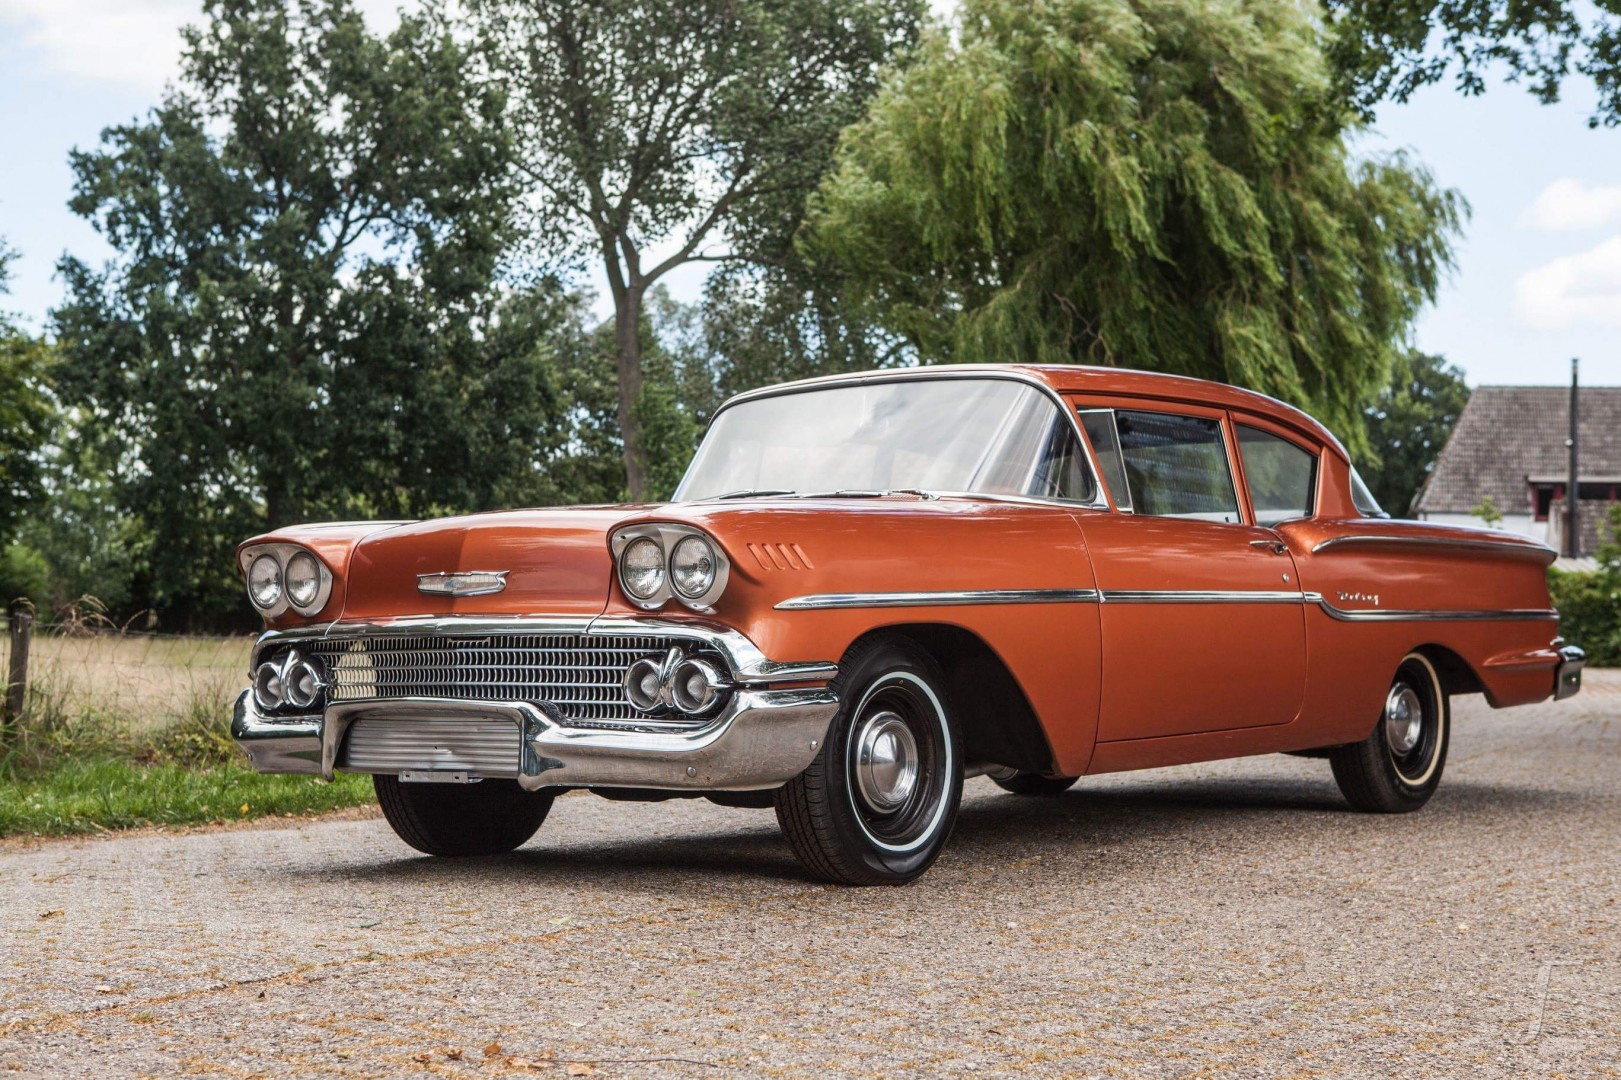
1510, 433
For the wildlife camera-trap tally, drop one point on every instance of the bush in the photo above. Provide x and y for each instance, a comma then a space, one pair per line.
1590, 604
1590, 613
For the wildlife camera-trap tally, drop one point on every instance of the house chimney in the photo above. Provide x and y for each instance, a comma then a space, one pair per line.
1573, 489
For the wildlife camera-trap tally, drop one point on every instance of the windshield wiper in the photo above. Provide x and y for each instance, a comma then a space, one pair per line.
863, 493
750, 493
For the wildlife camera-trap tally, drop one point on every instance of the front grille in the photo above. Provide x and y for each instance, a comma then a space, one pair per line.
483, 747
577, 676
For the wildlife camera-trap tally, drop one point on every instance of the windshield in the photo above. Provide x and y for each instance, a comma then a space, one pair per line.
989, 436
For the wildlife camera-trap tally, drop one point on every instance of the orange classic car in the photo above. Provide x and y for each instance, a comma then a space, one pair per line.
871, 587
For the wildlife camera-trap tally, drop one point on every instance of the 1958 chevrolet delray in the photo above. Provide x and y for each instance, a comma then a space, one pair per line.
870, 587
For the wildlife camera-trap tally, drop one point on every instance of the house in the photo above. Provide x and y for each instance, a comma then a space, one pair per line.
1509, 446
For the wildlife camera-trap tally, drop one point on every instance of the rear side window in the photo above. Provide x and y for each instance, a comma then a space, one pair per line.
1282, 477
1176, 466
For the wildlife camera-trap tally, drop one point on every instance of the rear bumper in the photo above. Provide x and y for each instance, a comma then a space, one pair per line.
762, 739
1567, 680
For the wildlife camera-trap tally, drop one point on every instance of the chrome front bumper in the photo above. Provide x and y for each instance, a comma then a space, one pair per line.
1568, 676
761, 739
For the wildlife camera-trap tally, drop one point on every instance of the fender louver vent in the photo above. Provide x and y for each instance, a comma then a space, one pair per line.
781, 557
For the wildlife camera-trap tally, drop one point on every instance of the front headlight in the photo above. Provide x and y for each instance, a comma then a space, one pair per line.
660, 561
264, 582
692, 567
303, 580
641, 568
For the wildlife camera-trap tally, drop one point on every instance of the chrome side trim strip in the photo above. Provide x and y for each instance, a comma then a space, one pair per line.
1531, 549
1379, 615
1204, 596
826, 601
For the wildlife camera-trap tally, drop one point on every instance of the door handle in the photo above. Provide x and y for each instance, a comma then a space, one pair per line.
1276, 547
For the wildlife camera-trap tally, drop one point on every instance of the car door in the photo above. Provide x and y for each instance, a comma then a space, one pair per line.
1201, 615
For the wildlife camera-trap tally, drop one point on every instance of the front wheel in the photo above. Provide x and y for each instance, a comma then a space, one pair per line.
1397, 768
879, 801
486, 818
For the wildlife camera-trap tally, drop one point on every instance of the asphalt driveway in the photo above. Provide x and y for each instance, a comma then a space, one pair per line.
1226, 920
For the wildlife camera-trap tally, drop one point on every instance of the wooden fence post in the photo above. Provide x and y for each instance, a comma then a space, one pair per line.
22, 632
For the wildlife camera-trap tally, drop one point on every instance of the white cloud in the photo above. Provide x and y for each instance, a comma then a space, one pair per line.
133, 43
1573, 290
1566, 205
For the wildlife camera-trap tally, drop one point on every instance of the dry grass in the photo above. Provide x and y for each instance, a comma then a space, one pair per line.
143, 682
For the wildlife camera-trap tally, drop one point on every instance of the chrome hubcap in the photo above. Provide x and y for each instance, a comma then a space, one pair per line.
1404, 719
886, 762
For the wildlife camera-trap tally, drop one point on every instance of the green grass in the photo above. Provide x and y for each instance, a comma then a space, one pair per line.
93, 754
96, 794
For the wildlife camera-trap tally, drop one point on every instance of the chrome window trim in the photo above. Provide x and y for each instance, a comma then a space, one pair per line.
1317, 471
1098, 501
1130, 506
828, 601
1228, 441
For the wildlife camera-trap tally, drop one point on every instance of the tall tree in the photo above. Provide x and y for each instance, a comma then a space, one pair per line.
1381, 50
649, 128
301, 318
1137, 183
1408, 424
27, 414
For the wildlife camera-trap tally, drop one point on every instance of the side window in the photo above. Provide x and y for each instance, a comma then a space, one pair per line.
1282, 477
1099, 425
1176, 466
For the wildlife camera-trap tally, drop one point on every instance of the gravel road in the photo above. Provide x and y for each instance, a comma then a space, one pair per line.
1225, 920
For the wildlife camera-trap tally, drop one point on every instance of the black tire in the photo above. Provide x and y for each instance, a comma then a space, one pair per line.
486, 818
893, 702
1029, 783
1397, 768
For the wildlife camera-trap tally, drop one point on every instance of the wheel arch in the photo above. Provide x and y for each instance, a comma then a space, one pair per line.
1457, 677
998, 723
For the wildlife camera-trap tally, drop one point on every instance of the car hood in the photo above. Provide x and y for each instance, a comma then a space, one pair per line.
556, 561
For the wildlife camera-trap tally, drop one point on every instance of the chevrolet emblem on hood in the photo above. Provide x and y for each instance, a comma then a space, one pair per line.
464, 583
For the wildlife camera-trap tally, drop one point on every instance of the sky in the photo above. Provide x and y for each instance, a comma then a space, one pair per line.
1538, 279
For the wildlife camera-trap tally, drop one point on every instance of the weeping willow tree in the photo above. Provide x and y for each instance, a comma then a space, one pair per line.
1145, 183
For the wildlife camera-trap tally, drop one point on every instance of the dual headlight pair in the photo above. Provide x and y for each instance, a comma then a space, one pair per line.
658, 562
285, 575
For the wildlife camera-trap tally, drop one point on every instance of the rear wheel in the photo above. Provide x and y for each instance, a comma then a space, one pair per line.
1029, 783
486, 818
1397, 768
879, 801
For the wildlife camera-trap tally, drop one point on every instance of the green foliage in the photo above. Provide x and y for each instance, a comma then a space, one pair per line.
1407, 425
27, 414
1590, 604
682, 127
302, 319
1381, 50
1486, 510
1140, 183
24, 572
